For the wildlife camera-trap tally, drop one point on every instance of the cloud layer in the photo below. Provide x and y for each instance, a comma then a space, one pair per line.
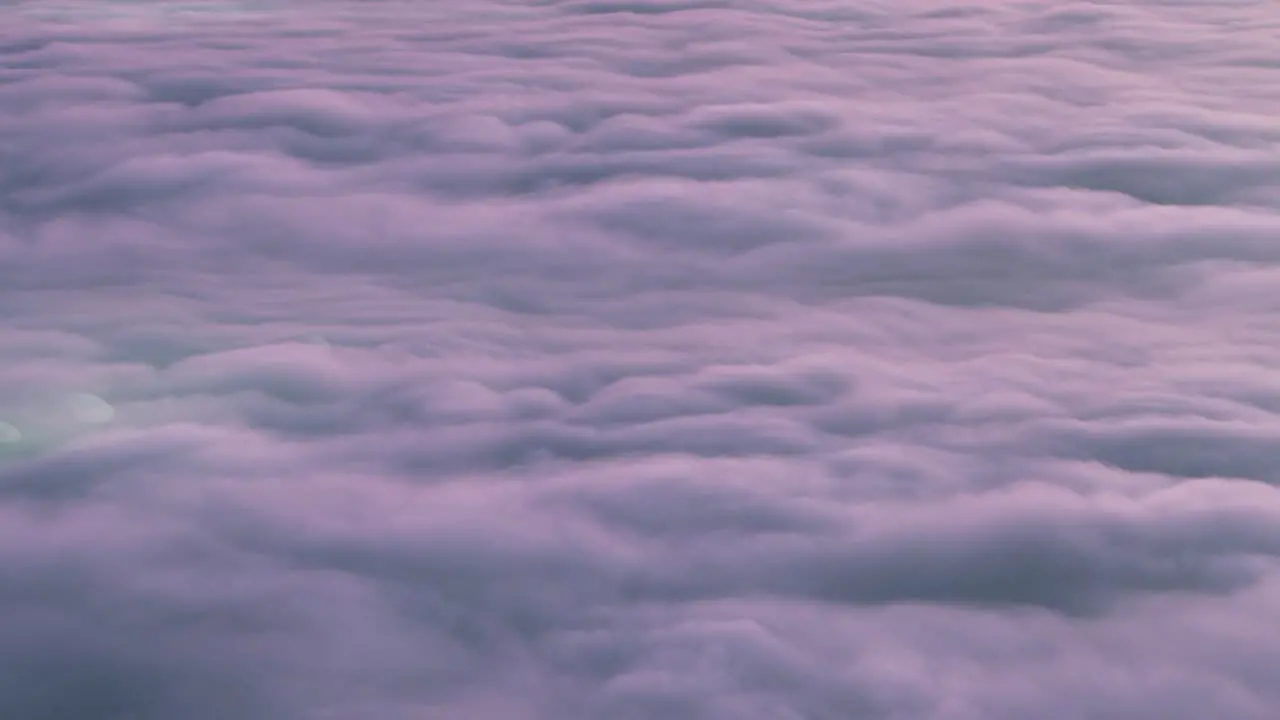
656, 359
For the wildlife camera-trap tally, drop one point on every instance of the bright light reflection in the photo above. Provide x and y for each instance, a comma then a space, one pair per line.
91, 409
9, 434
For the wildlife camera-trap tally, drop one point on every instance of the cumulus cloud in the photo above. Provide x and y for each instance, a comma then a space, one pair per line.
655, 359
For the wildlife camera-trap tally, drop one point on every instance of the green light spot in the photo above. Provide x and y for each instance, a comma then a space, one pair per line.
91, 409
9, 435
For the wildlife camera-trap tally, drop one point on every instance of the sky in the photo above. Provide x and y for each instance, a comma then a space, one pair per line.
639, 360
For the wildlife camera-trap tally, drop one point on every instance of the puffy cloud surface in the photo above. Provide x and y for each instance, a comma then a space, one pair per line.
653, 359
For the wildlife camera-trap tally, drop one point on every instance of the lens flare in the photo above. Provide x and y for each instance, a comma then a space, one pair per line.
9, 435
91, 409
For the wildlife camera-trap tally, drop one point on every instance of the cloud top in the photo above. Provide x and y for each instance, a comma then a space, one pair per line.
694, 360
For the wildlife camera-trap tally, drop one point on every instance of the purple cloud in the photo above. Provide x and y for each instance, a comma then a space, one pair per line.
651, 359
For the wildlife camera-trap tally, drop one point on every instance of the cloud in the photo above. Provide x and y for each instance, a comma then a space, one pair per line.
682, 360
